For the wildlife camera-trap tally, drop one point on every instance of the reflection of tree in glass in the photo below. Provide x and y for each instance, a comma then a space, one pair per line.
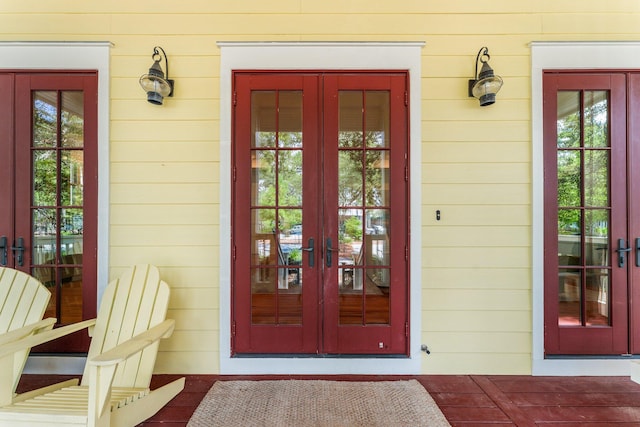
353, 229
45, 164
583, 169
352, 169
288, 170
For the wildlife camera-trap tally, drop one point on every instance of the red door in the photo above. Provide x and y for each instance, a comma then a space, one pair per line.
49, 189
589, 209
320, 256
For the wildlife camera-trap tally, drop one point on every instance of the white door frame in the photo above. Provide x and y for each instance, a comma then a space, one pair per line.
565, 56
319, 56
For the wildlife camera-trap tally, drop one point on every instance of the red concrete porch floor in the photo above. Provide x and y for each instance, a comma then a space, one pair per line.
466, 400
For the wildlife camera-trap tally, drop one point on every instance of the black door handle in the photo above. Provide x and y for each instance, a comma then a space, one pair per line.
18, 251
637, 251
310, 249
3, 250
621, 251
330, 250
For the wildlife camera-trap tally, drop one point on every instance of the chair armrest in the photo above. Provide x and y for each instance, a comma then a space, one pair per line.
134, 345
16, 334
43, 337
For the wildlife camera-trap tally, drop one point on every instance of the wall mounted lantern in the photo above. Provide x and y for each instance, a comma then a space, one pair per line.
485, 85
154, 82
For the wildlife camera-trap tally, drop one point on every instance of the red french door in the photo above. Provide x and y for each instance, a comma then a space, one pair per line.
592, 226
48, 189
320, 192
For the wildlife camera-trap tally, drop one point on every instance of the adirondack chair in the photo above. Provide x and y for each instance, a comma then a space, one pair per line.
23, 301
114, 390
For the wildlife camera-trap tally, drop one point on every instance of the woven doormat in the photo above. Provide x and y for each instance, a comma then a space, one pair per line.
318, 403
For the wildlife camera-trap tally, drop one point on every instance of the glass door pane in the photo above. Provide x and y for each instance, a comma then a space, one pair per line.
57, 212
276, 207
363, 207
584, 205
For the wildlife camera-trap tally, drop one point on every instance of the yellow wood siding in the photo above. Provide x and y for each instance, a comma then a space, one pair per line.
476, 162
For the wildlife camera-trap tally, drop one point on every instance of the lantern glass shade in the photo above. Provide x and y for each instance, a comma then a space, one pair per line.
486, 86
485, 89
154, 82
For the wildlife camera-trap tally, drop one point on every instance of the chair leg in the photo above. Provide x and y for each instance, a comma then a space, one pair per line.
145, 407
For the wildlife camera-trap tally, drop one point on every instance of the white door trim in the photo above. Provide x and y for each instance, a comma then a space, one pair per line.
19, 56
318, 56
566, 56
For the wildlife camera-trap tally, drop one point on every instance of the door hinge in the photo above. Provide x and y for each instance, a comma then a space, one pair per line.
406, 329
234, 253
406, 98
235, 98
233, 173
406, 173
406, 253
233, 328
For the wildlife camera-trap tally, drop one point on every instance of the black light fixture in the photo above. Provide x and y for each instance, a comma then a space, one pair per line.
485, 85
154, 82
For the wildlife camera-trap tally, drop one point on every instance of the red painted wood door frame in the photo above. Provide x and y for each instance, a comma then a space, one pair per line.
611, 338
320, 331
16, 181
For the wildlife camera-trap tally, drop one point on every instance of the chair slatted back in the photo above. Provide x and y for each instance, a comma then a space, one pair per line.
131, 304
23, 299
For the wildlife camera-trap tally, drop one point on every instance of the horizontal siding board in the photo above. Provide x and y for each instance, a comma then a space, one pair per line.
57, 24
469, 362
195, 299
174, 151
177, 256
448, 297
152, 130
200, 276
191, 193
177, 235
487, 7
189, 362
475, 152
194, 320
323, 23
478, 279
490, 173
481, 342
467, 110
476, 321
127, 87
597, 23
470, 44
176, 108
475, 194
480, 256
164, 214
165, 172
461, 66
507, 216
180, 66
450, 88
592, 6
187, 341
494, 236
472, 134
418, 6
